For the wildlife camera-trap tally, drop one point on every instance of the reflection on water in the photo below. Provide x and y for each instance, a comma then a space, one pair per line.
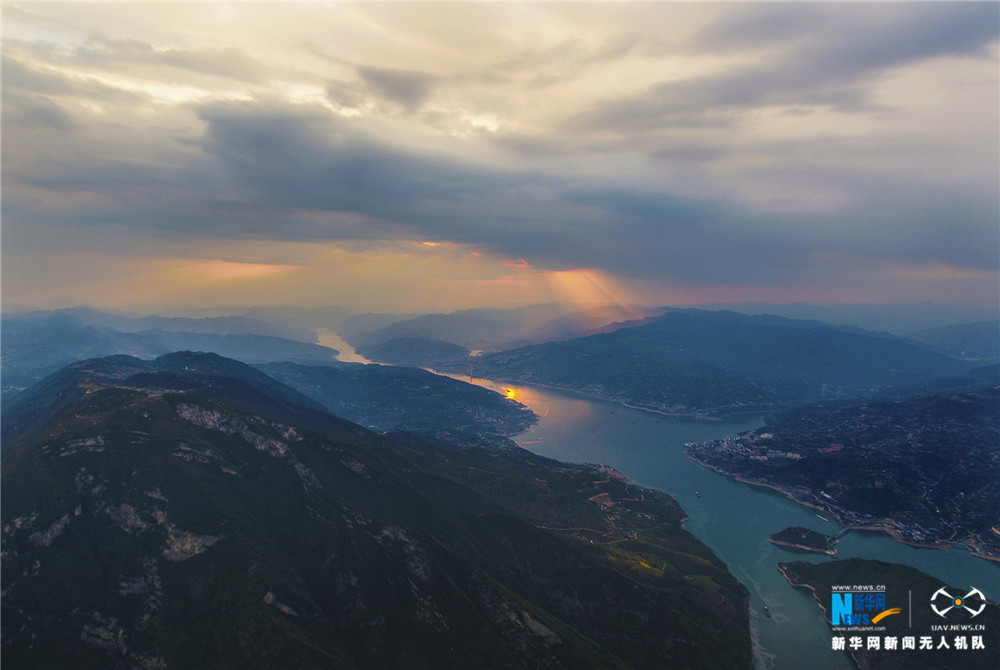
329, 338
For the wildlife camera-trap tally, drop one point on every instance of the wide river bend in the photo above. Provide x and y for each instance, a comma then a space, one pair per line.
733, 518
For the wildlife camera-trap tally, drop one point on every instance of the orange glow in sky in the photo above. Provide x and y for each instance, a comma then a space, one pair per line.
224, 271
587, 285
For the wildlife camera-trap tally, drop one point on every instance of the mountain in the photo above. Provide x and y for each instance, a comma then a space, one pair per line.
34, 345
306, 317
209, 375
714, 363
896, 318
417, 351
475, 329
580, 323
129, 323
147, 525
978, 341
388, 398
432, 338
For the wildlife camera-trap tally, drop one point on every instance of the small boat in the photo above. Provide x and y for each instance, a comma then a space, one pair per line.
767, 611
698, 493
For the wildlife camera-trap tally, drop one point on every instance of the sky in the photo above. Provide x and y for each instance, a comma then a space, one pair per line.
431, 157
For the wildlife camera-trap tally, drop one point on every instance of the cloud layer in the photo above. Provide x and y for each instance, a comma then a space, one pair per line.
845, 151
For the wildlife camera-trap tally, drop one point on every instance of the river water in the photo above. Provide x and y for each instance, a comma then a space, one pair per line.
732, 518
345, 352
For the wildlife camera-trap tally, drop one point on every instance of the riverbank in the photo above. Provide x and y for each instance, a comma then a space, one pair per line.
888, 526
590, 395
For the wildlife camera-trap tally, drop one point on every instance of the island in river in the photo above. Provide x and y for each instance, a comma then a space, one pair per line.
805, 539
925, 469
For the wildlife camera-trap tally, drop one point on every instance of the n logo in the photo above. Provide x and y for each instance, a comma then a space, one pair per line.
841, 608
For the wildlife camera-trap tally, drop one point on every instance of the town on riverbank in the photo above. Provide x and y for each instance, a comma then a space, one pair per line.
925, 470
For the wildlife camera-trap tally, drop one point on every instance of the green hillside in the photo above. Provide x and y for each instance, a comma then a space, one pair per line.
153, 527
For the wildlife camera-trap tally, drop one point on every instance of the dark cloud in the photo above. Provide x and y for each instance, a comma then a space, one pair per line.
856, 37
750, 27
568, 60
715, 101
294, 172
923, 222
548, 144
298, 158
690, 152
306, 157
345, 95
819, 56
102, 51
22, 111
405, 87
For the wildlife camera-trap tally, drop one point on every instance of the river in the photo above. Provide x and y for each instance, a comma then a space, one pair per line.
732, 518
345, 352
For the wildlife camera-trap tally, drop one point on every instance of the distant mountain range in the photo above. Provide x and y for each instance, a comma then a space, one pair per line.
431, 338
716, 363
194, 512
271, 325
898, 319
474, 329
414, 351
979, 341
36, 344
705, 363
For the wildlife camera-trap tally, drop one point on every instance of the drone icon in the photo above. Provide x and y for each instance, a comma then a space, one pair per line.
950, 602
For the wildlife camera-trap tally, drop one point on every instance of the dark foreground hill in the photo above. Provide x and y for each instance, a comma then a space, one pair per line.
149, 525
716, 363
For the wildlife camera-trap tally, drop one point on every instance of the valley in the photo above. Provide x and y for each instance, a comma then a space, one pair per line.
450, 442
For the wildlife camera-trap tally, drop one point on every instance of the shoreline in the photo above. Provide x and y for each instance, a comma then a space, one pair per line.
819, 602
886, 526
608, 399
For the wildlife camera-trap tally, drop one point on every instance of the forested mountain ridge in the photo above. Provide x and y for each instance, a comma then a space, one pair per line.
149, 525
716, 363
